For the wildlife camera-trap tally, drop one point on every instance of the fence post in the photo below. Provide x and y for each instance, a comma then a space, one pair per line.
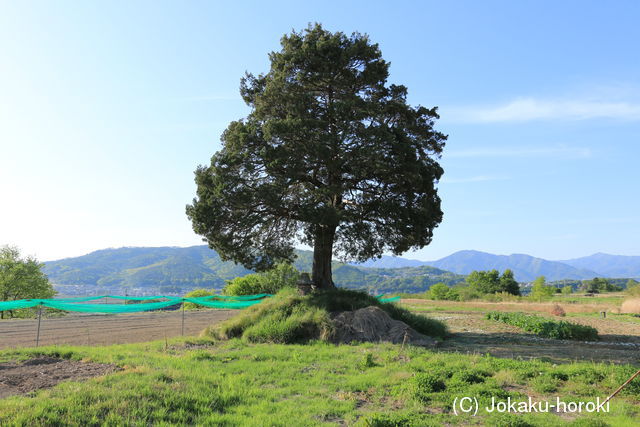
182, 318
39, 317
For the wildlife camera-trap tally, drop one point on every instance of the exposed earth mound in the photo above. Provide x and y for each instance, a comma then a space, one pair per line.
44, 372
372, 324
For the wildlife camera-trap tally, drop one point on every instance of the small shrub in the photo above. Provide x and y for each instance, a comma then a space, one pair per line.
545, 327
545, 384
426, 383
567, 290
466, 292
558, 311
500, 297
197, 293
367, 362
469, 377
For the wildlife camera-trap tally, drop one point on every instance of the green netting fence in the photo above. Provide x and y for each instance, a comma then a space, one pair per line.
75, 304
148, 303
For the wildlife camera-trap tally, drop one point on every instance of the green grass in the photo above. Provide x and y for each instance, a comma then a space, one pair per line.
545, 327
237, 383
289, 317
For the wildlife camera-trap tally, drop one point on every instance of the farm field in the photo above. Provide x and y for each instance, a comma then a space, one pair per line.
471, 333
107, 329
204, 382
118, 359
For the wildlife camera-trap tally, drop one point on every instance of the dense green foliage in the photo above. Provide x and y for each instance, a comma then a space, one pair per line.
545, 327
490, 282
21, 278
290, 317
269, 282
597, 285
393, 280
200, 382
633, 288
540, 290
440, 291
329, 155
196, 293
615, 284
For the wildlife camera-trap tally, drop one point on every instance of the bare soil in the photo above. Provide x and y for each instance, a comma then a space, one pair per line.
473, 334
45, 372
106, 329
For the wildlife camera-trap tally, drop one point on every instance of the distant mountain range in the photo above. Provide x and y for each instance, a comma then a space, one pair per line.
608, 265
525, 267
200, 267
176, 269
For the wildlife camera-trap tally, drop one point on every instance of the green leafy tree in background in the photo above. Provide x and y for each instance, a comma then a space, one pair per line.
490, 282
540, 290
439, 291
567, 290
597, 285
330, 155
21, 277
508, 283
270, 282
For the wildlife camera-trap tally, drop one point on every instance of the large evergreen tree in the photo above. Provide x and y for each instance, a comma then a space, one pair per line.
331, 156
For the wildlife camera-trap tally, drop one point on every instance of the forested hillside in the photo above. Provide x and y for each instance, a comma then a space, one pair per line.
199, 266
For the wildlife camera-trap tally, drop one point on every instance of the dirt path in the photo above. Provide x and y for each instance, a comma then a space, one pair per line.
105, 329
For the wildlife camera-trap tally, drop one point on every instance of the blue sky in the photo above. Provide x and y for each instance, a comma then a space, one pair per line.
107, 108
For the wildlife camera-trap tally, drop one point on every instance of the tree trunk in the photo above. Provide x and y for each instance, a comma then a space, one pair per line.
322, 254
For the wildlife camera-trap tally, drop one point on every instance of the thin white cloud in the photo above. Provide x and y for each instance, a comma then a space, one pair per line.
478, 178
560, 151
528, 109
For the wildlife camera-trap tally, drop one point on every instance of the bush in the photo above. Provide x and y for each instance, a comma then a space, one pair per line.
270, 282
466, 292
289, 317
196, 293
440, 291
567, 290
500, 297
558, 311
545, 327
633, 288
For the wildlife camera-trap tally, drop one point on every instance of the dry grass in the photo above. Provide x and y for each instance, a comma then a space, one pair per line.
631, 306
558, 311
541, 307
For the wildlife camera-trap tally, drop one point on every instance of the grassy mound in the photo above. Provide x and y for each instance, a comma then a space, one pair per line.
289, 317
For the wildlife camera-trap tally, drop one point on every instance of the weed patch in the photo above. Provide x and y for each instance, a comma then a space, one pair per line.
544, 327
